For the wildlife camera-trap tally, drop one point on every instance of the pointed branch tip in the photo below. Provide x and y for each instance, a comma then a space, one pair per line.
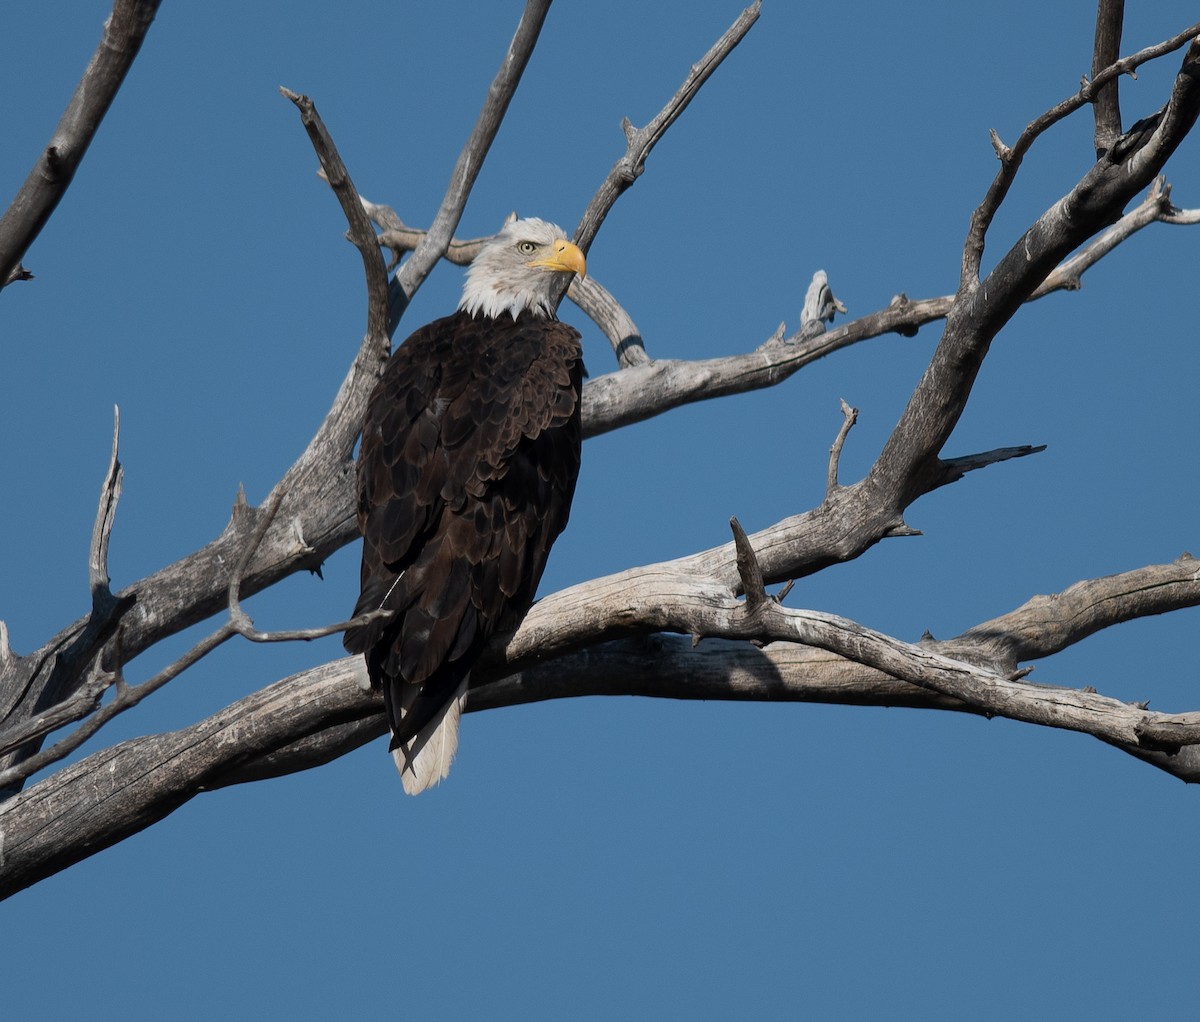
748, 567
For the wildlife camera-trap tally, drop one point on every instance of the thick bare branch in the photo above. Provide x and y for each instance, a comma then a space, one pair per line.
136, 783
51, 175
310, 718
1154, 208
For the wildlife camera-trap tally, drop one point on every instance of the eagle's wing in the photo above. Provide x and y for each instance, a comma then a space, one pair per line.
468, 463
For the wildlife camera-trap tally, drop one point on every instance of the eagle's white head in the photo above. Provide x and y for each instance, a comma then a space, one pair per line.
526, 266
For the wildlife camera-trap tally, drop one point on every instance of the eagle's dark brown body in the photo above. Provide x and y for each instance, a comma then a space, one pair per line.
469, 457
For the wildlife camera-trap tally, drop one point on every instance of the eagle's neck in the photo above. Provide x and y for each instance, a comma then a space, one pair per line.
481, 299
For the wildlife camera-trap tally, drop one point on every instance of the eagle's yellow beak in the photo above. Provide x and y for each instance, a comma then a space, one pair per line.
564, 257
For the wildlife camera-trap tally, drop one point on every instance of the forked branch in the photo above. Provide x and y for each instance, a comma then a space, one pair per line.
1011, 156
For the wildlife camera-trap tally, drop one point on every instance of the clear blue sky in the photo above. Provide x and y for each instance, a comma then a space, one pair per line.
614, 858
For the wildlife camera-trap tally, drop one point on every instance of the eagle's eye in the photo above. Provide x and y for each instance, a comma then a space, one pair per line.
526, 247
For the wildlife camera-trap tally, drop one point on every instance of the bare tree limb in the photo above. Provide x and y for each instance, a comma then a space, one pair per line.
110, 494
26, 766
361, 236
432, 247
621, 399
51, 176
609, 402
141, 781
242, 624
849, 418
85, 701
610, 316
748, 570
1011, 157
639, 142
980, 310
1154, 208
312, 717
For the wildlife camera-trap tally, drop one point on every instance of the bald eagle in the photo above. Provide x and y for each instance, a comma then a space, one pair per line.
469, 456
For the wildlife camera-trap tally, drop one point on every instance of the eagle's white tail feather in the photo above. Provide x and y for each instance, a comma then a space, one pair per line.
426, 759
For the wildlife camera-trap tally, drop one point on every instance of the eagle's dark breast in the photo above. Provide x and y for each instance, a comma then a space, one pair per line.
469, 457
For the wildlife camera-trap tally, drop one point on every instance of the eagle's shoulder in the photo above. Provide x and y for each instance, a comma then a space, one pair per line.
455, 403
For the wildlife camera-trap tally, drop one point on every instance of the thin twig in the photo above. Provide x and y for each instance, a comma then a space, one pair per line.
76, 707
129, 697
432, 247
640, 141
849, 418
240, 621
361, 235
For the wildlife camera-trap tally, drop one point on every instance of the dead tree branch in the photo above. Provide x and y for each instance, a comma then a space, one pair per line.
433, 246
55, 168
1011, 157
1106, 105
307, 719
639, 142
